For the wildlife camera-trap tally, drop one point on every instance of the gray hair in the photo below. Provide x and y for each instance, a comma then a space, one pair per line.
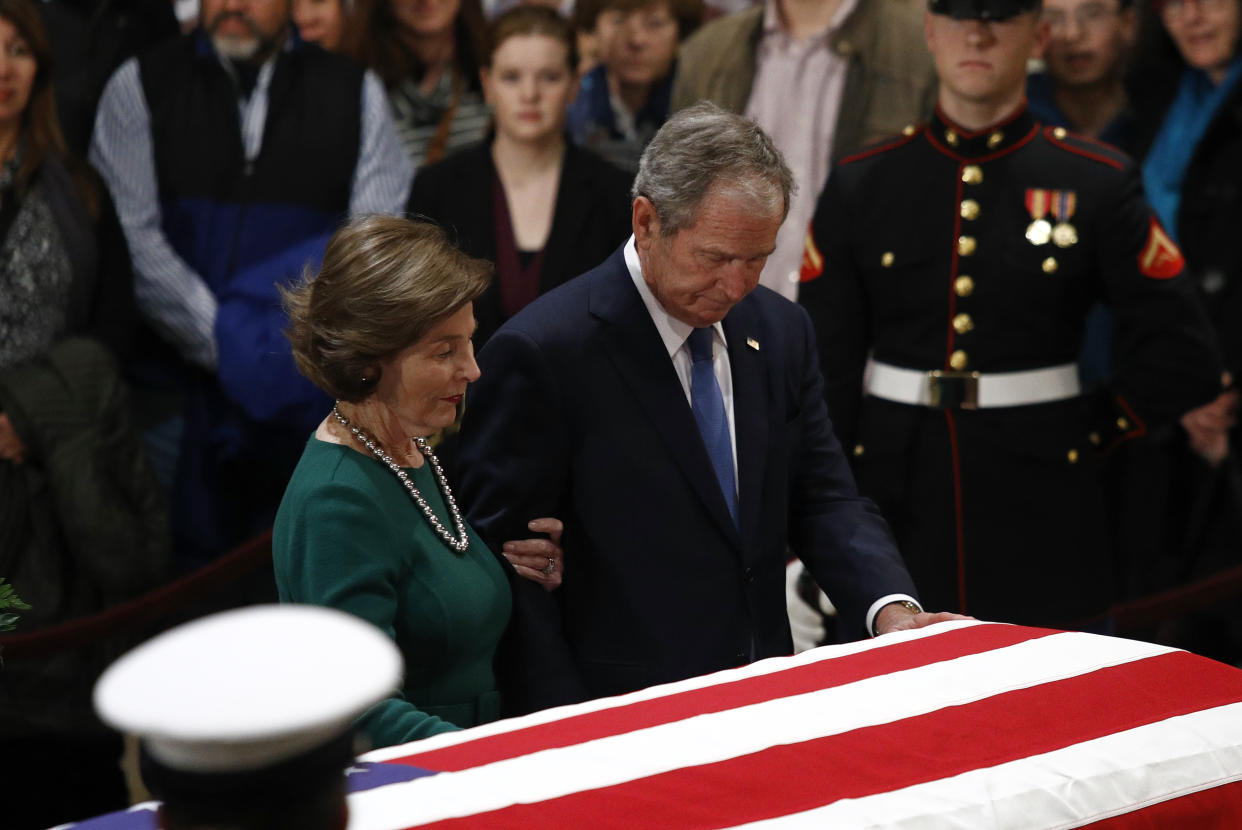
702, 147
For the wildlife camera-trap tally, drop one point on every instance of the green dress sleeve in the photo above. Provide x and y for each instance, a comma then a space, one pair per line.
340, 552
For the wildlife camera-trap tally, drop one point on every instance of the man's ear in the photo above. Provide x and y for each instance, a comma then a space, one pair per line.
645, 221
1043, 34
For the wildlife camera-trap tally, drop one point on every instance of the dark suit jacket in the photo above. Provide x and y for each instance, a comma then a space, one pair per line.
579, 414
592, 216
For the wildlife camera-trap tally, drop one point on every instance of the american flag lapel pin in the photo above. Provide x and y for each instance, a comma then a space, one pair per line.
753, 343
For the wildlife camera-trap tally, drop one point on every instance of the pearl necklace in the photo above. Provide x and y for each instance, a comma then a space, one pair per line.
459, 543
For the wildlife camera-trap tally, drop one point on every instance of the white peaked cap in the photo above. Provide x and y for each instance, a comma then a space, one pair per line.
249, 688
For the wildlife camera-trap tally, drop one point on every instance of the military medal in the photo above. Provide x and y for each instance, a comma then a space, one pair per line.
1037, 204
1064, 202
1039, 232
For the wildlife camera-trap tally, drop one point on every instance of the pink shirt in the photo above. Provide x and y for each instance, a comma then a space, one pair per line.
796, 95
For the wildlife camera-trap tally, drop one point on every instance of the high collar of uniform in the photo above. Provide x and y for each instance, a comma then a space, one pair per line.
973, 144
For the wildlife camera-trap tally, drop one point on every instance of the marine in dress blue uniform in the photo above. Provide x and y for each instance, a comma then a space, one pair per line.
949, 273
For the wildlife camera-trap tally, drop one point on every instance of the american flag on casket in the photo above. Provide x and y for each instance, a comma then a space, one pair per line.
963, 725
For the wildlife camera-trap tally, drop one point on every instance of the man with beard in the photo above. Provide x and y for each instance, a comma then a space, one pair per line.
232, 153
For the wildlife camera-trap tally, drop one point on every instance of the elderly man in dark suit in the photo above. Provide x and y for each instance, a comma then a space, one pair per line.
620, 401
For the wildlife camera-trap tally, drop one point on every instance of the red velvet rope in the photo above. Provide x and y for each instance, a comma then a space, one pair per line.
151, 606
1165, 605
256, 553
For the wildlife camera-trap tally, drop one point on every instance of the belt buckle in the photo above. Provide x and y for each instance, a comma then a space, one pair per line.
953, 389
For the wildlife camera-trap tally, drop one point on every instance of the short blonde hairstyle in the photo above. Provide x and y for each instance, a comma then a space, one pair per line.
385, 283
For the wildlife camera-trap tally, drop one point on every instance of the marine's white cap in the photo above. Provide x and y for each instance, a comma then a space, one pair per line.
247, 689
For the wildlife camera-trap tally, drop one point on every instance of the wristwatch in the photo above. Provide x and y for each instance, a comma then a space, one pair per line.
905, 603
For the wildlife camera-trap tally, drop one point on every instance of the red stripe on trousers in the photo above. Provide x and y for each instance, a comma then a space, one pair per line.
823, 674
959, 521
789, 779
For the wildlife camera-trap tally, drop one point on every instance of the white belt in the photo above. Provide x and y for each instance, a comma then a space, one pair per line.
971, 390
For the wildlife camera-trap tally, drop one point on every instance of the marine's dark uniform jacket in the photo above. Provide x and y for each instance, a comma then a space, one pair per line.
919, 257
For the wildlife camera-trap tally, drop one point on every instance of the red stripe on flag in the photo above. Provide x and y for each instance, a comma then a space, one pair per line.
788, 779
1219, 808
823, 674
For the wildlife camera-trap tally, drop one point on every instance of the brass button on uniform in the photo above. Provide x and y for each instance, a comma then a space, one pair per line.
995, 139
845, 48
886, 259
962, 323
1123, 425
966, 245
972, 174
858, 450
1094, 438
951, 137
1072, 456
970, 209
963, 286
1050, 265
958, 360
1059, 133
909, 129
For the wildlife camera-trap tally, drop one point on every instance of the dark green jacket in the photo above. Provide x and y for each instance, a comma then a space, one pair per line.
82, 523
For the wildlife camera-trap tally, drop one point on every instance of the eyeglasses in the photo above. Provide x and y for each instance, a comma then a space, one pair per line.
1177, 9
1088, 16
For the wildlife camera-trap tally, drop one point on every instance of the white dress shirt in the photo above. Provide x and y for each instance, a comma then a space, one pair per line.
674, 334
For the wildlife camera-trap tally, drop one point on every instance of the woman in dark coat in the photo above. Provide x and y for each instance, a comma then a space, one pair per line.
527, 199
1187, 98
1179, 492
82, 524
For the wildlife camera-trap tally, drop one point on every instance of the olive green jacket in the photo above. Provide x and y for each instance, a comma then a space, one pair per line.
890, 82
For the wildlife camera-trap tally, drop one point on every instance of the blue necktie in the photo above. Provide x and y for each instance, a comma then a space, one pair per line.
709, 412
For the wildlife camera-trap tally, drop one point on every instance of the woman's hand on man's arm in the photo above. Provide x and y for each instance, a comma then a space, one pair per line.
539, 559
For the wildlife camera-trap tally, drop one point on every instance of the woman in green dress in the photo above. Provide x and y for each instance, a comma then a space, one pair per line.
368, 523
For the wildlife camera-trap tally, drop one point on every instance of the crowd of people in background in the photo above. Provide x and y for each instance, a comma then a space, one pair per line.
173, 172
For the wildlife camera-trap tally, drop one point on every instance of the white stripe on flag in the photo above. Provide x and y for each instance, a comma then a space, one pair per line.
710, 738
758, 669
1056, 790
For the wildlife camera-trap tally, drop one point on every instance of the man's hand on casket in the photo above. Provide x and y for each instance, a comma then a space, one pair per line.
897, 616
